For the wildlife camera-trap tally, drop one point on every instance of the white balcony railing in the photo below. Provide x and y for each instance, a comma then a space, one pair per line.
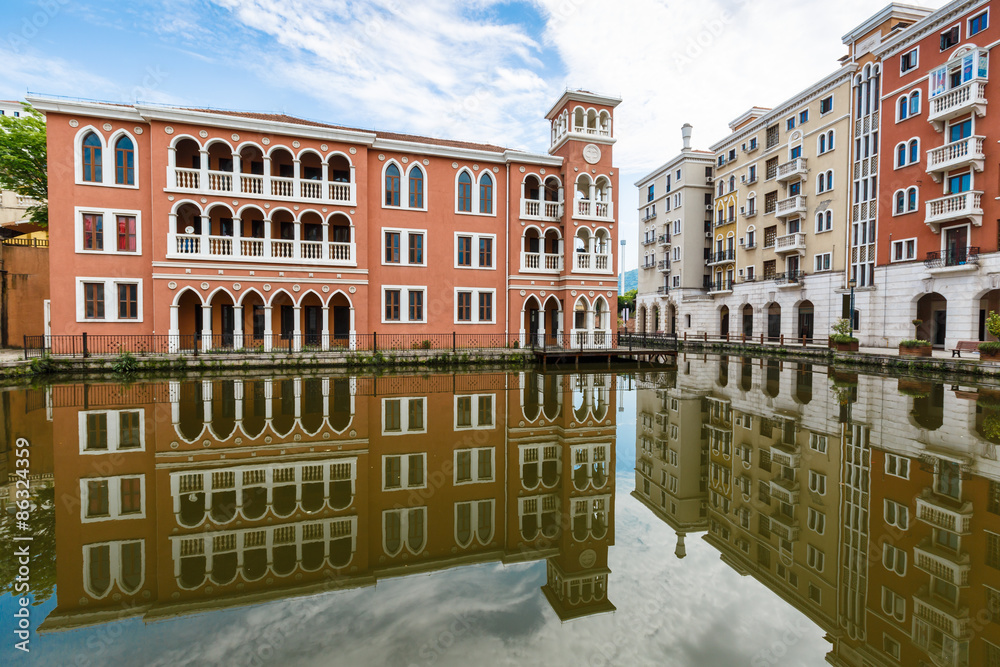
196, 246
794, 242
541, 210
590, 209
790, 206
943, 564
958, 101
955, 207
215, 182
962, 153
592, 262
941, 513
792, 170
542, 262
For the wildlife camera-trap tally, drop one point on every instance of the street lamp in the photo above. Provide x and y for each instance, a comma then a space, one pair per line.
621, 276
853, 282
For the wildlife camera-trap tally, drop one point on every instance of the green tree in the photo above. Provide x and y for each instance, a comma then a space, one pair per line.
23, 161
627, 300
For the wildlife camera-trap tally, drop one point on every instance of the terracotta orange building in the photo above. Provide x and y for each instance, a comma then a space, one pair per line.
241, 229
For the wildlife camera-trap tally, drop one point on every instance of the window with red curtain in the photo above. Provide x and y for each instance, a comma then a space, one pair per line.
126, 233
93, 232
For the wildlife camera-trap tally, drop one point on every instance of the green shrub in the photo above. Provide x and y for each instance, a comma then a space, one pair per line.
993, 323
42, 365
990, 346
842, 327
125, 364
843, 338
913, 342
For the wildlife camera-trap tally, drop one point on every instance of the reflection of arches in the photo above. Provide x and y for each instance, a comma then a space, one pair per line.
772, 379
928, 410
803, 383
746, 374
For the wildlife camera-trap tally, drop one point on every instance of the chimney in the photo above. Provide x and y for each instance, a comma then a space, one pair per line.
686, 134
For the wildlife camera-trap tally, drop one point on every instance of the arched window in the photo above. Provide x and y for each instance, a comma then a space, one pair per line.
486, 194
914, 151
829, 220
821, 186
416, 188
911, 199
829, 140
465, 192
829, 180
599, 315
92, 169
392, 185
900, 202
124, 162
914, 103
904, 107
822, 143
732, 183
900, 155
720, 188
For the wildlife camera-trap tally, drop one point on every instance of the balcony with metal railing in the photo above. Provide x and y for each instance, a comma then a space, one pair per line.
792, 170
663, 265
649, 264
785, 490
783, 526
720, 286
942, 563
790, 206
749, 211
661, 290
789, 279
649, 217
967, 98
649, 239
961, 206
959, 154
953, 260
788, 243
664, 239
721, 257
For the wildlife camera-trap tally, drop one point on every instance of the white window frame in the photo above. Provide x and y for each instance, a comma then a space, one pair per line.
893, 463
474, 466
404, 416
114, 565
110, 287
476, 184
114, 431
821, 259
404, 529
677, 200
832, 102
475, 251
404, 471
816, 521
404, 303
109, 214
475, 412
107, 157
818, 442
894, 559
817, 483
677, 228
404, 245
676, 254
892, 597
890, 646
114, 498
474, 514
475, 291
899, 510
815, 558
902, 242
968, 23
916, 61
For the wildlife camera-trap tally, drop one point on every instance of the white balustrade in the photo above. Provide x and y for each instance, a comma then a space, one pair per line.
311, 250
220, 246
220, 181
252, 247
341, 192
282, 187
341, 252
282, 249
312, 189
188, 244
541, 261
187, 178
251, 184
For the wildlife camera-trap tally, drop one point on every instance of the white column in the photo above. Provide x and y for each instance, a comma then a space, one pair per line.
297, 243
325, 251
296, 328
354, 186
237, 170
353, 334
325, 339
238, 328
171, 167
267, 328
325, 168
174, 333
296, 178
238, 393
268, 190
267, 237
562, 200
206, 326
203, 170
237, 237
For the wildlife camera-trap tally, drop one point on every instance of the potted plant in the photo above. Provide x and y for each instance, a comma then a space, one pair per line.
990, 350
841, 339
915, 347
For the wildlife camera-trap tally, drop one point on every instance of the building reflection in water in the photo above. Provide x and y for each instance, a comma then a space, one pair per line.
869, 503
190, 496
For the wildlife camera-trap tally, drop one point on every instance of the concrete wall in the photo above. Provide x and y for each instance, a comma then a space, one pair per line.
24, 285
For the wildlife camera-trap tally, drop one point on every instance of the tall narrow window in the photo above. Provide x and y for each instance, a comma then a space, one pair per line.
416, 248
485, 307
392, 305
465, 192
465, 306
485, 252
465, 251
416, 188
93, 296
92, 161
124, 162
392, 185
131, 495
128, 302
486, 194
392, 247
126, 233
93, 232
416, 306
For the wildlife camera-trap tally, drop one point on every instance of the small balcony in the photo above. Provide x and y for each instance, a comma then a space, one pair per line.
663, 265
661, 290
788, 243
785, 527
749, 212
198, 246
966, 152
591, 262
792, 171
789, 279
650, 217
954, 260
664, 239
790, 206
541, 262
599, 210
944, 513
649, 239
785, 490
649, 265
534, 209
720, 286
938, 614
967, 98
785, 455
722, 256
257, 185
961, 206
942, 563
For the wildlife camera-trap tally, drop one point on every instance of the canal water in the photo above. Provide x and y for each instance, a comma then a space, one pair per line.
734, 511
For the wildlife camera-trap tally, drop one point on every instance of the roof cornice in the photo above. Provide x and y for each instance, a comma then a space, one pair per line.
585, 97
84, 108
925, 26
894, 9
680, 158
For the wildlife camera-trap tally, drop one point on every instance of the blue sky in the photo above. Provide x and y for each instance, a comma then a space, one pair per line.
479, 70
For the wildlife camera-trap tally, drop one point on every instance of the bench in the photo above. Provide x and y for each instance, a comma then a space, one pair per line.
965, 346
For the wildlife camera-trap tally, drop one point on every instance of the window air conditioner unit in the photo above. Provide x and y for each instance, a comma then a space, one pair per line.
708, 235
708, 207
708, 179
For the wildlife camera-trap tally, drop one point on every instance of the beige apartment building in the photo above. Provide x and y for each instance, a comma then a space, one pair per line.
674, 217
